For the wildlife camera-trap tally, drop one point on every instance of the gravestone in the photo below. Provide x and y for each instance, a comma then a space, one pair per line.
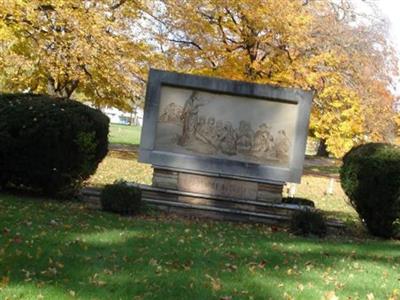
221, 143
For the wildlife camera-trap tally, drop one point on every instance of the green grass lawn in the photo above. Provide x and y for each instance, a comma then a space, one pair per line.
121, 165
124, 134
51, 250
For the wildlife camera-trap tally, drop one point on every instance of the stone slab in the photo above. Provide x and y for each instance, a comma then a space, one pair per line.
217, 186
224, 127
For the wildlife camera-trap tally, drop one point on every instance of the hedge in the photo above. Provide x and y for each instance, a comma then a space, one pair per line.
370, 176
49, 145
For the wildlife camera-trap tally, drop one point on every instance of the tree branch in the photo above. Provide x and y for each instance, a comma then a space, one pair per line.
117, 5
187, 43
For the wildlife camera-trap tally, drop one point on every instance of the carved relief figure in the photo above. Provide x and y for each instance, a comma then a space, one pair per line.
189, 117
245, 137
203, 144
201, 132
228, 139
171, 113
210, 128
219, 133
207, 135
202, 126
263, 141
282, 145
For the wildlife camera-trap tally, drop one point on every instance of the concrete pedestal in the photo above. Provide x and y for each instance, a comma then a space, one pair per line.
217, 186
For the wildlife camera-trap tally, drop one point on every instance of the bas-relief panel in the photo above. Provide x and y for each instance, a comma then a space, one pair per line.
225, 126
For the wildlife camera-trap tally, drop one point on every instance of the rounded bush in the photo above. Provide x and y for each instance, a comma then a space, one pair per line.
121, 198
49, 145
308, 222
370, 176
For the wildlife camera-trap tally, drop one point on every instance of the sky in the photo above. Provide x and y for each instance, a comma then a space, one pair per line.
391, 9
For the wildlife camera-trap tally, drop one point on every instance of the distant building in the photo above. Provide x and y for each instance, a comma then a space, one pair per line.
121, 117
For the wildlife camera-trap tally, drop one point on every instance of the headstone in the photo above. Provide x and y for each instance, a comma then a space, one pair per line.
292, 190
331, 184
223, 139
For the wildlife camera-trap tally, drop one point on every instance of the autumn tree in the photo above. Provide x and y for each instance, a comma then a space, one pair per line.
397, 122
101, 50
319, 45
64, 47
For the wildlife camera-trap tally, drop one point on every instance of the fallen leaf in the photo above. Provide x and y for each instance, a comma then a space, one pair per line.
215, 283
331, 296
4, 281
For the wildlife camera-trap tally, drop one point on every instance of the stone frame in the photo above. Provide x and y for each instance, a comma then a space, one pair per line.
222, 167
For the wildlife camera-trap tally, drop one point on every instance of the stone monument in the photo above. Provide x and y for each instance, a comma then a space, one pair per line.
221, 143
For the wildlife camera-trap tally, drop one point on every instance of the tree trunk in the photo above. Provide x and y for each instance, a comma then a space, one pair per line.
322, 151
57, 89
51, 87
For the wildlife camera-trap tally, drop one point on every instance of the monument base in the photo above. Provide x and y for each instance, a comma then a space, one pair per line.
212, 207
217, 186
217, 197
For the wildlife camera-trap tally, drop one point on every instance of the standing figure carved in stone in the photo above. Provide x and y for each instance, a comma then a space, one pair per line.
282, 145
189, 118
228, 139
245, 137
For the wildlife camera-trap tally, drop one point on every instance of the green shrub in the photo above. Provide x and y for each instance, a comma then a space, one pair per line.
308, 222
370, 176
49, 145
121, 198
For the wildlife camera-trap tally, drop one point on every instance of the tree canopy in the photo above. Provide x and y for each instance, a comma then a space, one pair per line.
324, 46
101, 50
66, 46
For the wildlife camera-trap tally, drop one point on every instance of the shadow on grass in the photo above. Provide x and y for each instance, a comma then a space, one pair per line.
60, 250
347, 218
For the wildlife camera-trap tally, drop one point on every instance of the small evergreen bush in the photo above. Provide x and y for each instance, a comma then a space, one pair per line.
308, 222
121, 198
49, 145
370, 176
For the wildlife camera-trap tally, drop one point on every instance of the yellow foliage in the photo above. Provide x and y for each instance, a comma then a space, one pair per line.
101, 50
290, 43
66, 46
397, 122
